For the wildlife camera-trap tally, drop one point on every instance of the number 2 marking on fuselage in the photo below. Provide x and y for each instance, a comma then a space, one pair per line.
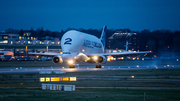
68, 41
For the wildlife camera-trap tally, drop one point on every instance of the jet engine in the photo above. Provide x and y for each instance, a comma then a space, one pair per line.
101, 59
57, 59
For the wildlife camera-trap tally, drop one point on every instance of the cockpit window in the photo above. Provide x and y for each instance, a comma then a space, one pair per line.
66, 53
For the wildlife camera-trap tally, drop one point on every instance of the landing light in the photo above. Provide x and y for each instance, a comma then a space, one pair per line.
70, 61
95, 57
108, 59
121, 58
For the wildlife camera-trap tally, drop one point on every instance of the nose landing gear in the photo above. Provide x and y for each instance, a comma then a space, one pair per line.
98, 66
72, 66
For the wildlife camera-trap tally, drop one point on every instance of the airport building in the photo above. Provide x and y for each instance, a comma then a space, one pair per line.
119, 40
8, 39
6, 55
27, 39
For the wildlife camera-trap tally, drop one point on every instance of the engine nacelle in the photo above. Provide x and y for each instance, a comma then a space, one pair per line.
57, 59
101, 59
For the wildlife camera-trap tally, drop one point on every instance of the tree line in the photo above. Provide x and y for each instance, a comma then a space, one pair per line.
158, 40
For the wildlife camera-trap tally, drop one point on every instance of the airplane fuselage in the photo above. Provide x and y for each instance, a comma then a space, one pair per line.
75, 42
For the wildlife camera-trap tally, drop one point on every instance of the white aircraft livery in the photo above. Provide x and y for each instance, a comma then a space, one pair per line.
81, 47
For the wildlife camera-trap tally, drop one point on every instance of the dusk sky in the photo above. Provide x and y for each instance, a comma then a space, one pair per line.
56, 15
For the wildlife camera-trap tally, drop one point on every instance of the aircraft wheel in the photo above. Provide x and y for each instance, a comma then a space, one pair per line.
98, 66
71, 66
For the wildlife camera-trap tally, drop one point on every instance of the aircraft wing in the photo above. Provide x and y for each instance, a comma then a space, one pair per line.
46, 53
118, 53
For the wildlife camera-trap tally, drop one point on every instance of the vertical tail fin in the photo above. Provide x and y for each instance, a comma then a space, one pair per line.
127, 45
103, 36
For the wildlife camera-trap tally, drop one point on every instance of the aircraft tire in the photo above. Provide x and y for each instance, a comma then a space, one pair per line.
71, 66
98, 66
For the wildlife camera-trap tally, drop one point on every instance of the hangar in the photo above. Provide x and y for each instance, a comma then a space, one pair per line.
6, 54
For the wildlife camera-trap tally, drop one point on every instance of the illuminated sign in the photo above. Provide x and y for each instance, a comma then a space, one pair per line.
54, 78
47, 79
64, 78
42, 79
72, 78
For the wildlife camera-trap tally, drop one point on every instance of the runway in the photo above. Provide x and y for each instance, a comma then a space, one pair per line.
83, 68
171, 88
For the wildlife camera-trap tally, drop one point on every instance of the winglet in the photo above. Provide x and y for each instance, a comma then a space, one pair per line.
103, 36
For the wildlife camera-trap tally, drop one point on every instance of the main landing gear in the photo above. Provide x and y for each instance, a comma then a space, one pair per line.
98, 66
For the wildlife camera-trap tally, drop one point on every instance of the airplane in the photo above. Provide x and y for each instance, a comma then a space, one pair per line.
82, 47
